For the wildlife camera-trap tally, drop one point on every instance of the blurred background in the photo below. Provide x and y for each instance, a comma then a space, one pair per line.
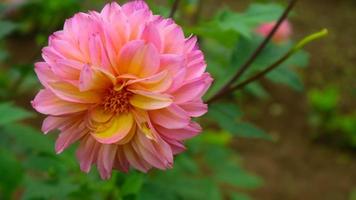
290, 136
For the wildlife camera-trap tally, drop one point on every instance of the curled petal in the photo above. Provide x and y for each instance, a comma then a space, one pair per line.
68, 92
149, 101
157, 83
118, 129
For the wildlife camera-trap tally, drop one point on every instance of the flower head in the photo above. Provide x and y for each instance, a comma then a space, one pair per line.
283, 33
124, 83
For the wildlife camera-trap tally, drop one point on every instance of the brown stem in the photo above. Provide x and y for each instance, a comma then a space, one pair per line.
255, 54
174, 8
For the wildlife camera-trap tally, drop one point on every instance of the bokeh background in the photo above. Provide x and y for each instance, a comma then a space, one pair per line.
303, 148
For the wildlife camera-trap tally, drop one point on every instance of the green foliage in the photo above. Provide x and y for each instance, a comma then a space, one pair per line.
10, 113
6, 28
228, 116
327, 117
11, 173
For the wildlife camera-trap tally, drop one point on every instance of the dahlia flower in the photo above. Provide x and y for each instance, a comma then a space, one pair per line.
283, 33
125, 84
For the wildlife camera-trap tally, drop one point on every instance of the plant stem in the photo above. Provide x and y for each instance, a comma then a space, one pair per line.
174, 8
255, 54
292, 51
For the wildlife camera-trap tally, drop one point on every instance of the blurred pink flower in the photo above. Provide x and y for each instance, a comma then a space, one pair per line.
283, 33
124, 83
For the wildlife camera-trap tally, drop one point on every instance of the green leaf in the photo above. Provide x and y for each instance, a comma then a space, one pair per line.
287, 77
132, 184
11, 173
28, 138
6, 28
239, 196
325, 100
227, 115
48, 190
257, 90
245, 129
10, 113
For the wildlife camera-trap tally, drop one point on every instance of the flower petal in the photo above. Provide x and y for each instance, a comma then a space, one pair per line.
119, 128
68, 92
69, 135
106, 160
149, 101
94, 78
171, 117
192, 90
47, 103
139, 59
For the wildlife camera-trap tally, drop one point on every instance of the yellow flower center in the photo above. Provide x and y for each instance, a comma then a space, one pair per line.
117, 101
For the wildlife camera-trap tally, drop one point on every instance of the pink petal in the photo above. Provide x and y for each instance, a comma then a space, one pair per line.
87, 153
69, 135
192, 90
121, 163
134, 159
106, 160
139, 59
195, 108
152, 35
94, 78
171, 117
47, 103
44, 73
187, 132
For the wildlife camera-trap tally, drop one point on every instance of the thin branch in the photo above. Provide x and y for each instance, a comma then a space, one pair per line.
300, 45
174, 8
255, 54
261, 73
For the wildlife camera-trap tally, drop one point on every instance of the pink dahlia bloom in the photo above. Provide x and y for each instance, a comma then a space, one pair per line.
124, 83
283, 33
